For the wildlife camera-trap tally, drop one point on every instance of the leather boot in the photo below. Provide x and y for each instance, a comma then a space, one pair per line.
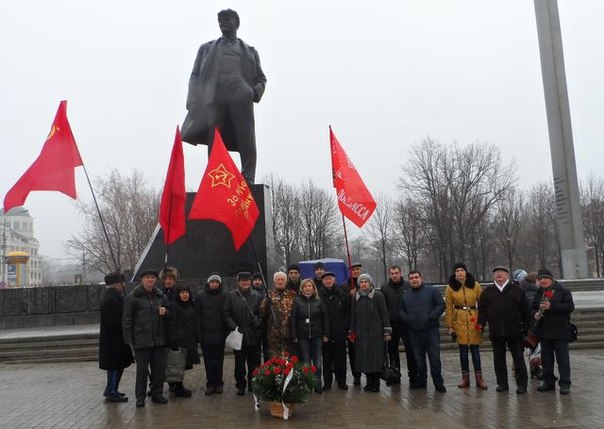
465, 380
480, 382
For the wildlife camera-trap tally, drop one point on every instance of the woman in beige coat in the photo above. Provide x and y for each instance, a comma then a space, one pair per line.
461, 318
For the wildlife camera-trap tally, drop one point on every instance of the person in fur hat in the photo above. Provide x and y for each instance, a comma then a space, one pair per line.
461, 316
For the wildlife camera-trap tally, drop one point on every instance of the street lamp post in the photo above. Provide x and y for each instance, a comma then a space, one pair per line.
3, 264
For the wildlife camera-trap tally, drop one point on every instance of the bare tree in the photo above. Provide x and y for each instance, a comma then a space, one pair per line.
543, 231
508, 224
409, 231
285, 203
592, 205
318, 217
129, 208
457, 188
379, 231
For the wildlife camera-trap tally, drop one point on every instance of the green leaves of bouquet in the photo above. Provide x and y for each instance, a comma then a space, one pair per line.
284, 379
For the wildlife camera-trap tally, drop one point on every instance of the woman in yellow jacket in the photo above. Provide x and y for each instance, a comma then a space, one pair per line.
461, 318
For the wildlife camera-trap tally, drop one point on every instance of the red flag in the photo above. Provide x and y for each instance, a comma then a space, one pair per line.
54, 169
224, 195
172, 208
354, 199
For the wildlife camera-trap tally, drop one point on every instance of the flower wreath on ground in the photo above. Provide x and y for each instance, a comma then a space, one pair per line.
285, 380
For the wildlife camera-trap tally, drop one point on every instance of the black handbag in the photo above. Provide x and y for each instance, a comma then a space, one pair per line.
390, 373
574, 333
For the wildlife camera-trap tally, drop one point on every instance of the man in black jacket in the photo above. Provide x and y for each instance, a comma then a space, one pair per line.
504, 307
143, 325
393, 292
242, 311
552, 306
337, 302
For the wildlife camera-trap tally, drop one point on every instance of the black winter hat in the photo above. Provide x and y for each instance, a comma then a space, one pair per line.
244, 275
460, 265
114, 277
147, 272
293, 267
257, 276
319, 265
545, 274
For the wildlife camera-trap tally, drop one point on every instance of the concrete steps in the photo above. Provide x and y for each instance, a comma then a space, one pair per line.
76, 346
588, 321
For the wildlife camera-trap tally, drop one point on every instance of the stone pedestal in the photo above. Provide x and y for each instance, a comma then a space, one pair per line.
208, 245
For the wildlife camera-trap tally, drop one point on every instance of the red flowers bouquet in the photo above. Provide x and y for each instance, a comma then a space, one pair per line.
284, 380
475, 323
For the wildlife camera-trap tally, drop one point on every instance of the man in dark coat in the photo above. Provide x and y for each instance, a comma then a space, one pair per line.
114, 354
337, 301
226, 80
393, 292
552, 306
242, 312
143, 325
212, 331
421, 309
504, 307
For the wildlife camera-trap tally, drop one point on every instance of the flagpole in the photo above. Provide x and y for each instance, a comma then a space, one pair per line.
168, 233
268, 299
348, 254
117, 268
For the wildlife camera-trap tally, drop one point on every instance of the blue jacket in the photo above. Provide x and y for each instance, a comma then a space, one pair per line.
421, 308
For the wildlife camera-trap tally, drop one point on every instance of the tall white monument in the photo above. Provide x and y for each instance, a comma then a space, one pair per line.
570, 223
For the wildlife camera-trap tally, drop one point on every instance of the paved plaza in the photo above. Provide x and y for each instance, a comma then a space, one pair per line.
69, 395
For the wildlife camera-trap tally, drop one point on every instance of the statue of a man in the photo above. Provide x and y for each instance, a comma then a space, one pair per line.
225, 82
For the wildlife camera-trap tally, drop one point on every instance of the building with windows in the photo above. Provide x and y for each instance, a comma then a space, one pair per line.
18, 239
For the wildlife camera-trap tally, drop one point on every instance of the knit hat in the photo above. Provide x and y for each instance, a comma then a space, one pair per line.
114, 277
460, 265
214, 276
293, 267
545, 274
519, 275
257, 276
365, 276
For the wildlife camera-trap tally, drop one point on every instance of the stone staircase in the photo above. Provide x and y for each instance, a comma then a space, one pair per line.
588, 321
83, 346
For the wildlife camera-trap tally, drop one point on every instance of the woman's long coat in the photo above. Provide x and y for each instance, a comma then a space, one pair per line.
113, 352
182, 329
461, 310
370, 320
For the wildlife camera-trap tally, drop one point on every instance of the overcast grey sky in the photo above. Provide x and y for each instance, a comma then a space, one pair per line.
384, 74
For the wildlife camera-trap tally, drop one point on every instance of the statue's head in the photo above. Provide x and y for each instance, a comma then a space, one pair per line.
228, 18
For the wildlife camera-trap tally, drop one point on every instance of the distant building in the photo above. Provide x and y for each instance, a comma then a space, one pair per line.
18, 236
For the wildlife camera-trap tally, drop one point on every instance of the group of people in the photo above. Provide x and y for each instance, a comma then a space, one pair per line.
321, 321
